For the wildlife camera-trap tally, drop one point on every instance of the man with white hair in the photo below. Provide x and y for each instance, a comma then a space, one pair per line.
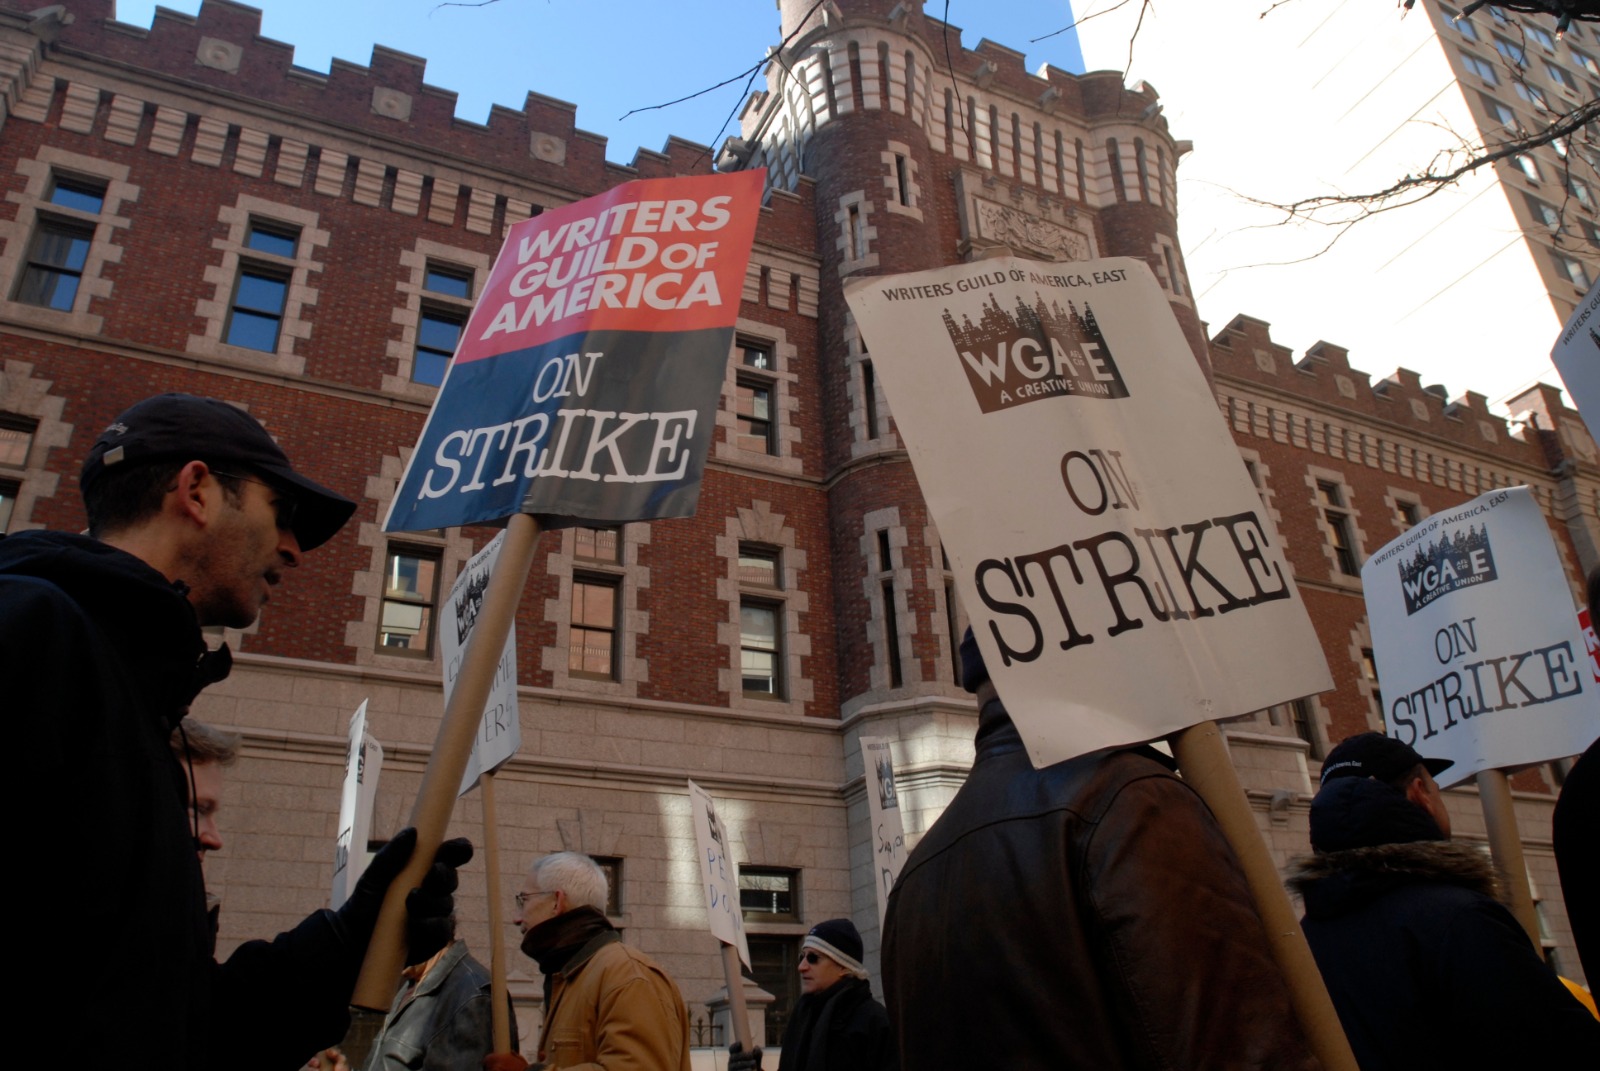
605, 1005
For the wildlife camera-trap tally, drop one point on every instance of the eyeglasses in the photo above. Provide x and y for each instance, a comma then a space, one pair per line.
522, 898
284, 507
811, 959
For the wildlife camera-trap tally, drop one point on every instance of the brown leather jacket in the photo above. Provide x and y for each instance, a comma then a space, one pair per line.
1089, 915
612, 1008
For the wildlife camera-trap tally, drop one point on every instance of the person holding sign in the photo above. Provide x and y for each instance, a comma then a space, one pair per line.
606, 1005
1425, 966
195, 516
440, 1017
1107, 914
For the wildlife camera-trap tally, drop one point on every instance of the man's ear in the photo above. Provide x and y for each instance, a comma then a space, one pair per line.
195, 498
1417, 793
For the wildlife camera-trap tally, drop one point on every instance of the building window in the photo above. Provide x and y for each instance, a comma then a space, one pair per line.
1561, 77
611, 866
1498, 112
858, 233
1512, 53
1580, 193
82, 195
410, 593
1407, 515
1369, 670
758, 567
1586, 61
1591, 231
902, 179
256, 314
597, 544
1336, 524
9, 490
769, 894
1462, 26
869, 398
16, 439
592, 643
439, 325
1574, 271
1544, 213
1531, 94
761, 647
753, 407
1527, 165
1480, 67
891, 618
1539, 37
1303, 718
56, 257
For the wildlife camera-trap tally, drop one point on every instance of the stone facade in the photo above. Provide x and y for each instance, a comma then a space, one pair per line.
204, 143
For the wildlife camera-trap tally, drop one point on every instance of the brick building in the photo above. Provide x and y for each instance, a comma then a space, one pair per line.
187, 210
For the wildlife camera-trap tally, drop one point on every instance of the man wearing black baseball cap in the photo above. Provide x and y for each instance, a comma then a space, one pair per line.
195, 515
1425, 967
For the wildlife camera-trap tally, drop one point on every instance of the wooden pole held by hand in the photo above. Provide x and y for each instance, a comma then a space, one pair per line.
738, 1009
1203, 761
452, 748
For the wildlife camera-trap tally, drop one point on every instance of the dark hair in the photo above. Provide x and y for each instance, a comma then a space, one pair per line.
1416, 773
121, 499
1594, 597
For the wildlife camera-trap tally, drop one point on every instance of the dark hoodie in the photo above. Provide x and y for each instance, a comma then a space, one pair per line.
1425, 967
102, 656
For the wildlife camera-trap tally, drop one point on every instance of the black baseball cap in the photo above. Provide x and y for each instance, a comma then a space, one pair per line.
1376, 755
174, 427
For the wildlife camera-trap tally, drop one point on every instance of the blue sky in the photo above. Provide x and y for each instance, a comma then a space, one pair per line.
606, 56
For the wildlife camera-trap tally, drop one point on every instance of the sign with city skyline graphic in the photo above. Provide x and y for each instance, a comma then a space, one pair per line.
585, 386
1481, 659
1122, 577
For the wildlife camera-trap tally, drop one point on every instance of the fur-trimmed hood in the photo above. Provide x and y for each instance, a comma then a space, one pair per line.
1332, 883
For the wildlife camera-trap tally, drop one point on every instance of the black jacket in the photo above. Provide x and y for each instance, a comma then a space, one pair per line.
101, 656
840, 1029
1089, 915
1425, 967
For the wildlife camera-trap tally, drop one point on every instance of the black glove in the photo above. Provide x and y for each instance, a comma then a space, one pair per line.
739, 1060
430, 908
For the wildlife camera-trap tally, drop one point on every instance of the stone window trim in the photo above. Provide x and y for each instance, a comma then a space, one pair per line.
876, 525
1169, 270
902, 192
25, 398
949, 620
857, 235
236, 257
758, 527
1347, 507
413, 297
455, 548
564, 566
33, 202
784, 404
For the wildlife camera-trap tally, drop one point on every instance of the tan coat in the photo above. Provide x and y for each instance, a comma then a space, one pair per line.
614, 1009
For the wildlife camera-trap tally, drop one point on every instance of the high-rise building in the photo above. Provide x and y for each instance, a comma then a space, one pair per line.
1475, 279
185, 209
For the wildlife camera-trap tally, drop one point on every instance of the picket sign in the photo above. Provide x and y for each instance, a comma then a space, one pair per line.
724, 916
1482, 660
583, 392
883, 815
1124, 581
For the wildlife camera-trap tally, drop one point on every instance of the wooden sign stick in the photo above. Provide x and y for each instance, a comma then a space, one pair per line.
452, 748
1505, 846
738, 1009
499, 1011
1203, 761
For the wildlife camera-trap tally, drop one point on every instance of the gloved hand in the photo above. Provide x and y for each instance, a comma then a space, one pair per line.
428, 906
739, 1060
506, 1061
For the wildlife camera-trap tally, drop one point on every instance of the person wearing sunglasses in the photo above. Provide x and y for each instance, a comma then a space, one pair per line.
195, 516
836, 1025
